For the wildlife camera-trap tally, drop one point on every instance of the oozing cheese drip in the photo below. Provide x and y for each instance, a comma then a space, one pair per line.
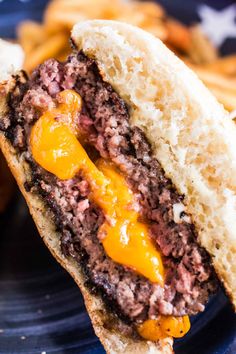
165, 326
55, 146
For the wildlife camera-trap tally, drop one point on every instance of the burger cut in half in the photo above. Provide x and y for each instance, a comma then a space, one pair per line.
128, 165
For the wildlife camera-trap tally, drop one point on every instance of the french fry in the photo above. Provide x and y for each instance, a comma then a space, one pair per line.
63, 21
216, 79
225, 65
226, 98
153, 25
66, 13
149, 9
157, 29
49, 49
30, 35
222, 87
63, 54
201, 51
178, 35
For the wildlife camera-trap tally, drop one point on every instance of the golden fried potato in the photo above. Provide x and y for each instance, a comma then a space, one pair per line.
50, 48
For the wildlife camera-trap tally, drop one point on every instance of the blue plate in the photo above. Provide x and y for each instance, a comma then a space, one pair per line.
41, 309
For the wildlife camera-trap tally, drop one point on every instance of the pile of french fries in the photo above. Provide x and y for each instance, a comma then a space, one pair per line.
50, 39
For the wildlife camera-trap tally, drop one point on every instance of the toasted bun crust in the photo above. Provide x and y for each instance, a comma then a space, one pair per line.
113, 341
191, 135
11, 59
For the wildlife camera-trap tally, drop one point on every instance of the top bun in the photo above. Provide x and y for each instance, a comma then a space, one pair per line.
191, 134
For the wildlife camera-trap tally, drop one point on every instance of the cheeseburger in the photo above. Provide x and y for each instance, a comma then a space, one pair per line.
128, 165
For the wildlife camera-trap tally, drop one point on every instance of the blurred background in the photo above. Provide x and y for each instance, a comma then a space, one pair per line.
41, 309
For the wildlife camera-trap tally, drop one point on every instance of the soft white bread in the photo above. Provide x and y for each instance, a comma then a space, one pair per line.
11, 59
112, 340
191, 135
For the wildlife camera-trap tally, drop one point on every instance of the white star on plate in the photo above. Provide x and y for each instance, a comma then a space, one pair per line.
218, 25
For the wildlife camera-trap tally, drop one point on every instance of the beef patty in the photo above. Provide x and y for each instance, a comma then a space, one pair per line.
189, 276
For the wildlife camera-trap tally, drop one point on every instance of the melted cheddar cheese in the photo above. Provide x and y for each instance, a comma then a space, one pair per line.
165, 326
